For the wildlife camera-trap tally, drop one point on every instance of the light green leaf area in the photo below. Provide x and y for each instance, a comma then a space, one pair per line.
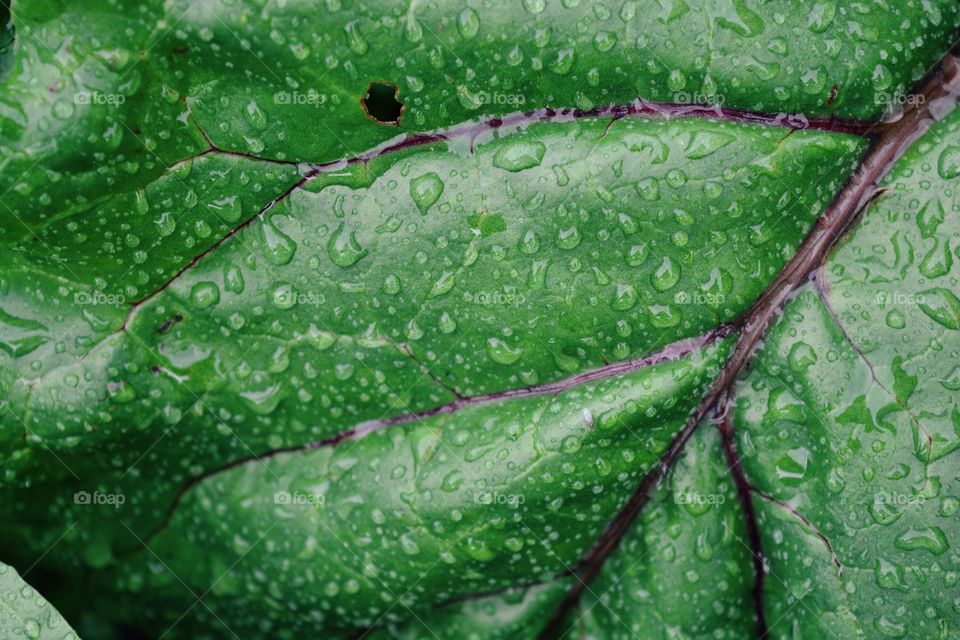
25, 615
132, 83
851, 419
272, 369
489, 496
350, 302
683, 571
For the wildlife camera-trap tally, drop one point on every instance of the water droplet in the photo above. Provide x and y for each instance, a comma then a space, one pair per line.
938, 260
278, 247
530, 243
444, 284
343, 248
821, 15
284, 296
895, 319
446, 323
229, 208
942, 306
802, 356
468, 23
637, 254
603, 41
255, 116
535, 6
624, 298
233, 279
501, 352
204, 294
676, 178
426, 190
355, 39
568, 238
948, 166
519, 155
930, 217
166, 224
932, 540
391, 285
666, 276
452, 481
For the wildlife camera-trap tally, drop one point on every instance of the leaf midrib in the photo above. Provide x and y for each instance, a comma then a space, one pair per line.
940, 90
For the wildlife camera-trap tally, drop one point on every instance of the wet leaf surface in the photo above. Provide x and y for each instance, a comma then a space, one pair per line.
479, 320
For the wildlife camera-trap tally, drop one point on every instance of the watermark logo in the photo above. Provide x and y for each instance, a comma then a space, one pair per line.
684, 97
495, 298
98, 297
99, 99
698, 297
897, 499
893, 102
512, 500
898, 298
286, 298
311, 98
96, 498
699, 499
497, 97
298, 498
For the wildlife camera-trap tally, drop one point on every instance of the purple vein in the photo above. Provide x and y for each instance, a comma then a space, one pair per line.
940, 90
668, 353
743, 488
472, 130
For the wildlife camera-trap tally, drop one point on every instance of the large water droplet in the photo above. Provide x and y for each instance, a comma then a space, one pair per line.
666, 275
343, 248
949, 163
519, 155
278, 247
426, 190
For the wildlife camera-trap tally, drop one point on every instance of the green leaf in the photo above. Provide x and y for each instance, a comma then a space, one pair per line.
854, 451
25, 614
328, 319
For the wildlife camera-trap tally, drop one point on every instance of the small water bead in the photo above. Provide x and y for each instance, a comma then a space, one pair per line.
446, 323
391, 285
895, 319
676, 178
343, 248
535, 6
603, 41
255, 116
426, 190
637, 254
284, 296
204, 294
624, 298
568, 238
666, 275
948, 165
166, 224
501, 352
468, 23
519, 155
278, 248
355, 39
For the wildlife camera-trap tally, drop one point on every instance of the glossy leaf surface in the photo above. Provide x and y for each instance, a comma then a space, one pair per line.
330, 319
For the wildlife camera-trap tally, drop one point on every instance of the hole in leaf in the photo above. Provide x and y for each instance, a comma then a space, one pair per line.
381, 105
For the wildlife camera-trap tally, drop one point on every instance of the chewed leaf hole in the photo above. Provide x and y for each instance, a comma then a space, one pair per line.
380, 103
